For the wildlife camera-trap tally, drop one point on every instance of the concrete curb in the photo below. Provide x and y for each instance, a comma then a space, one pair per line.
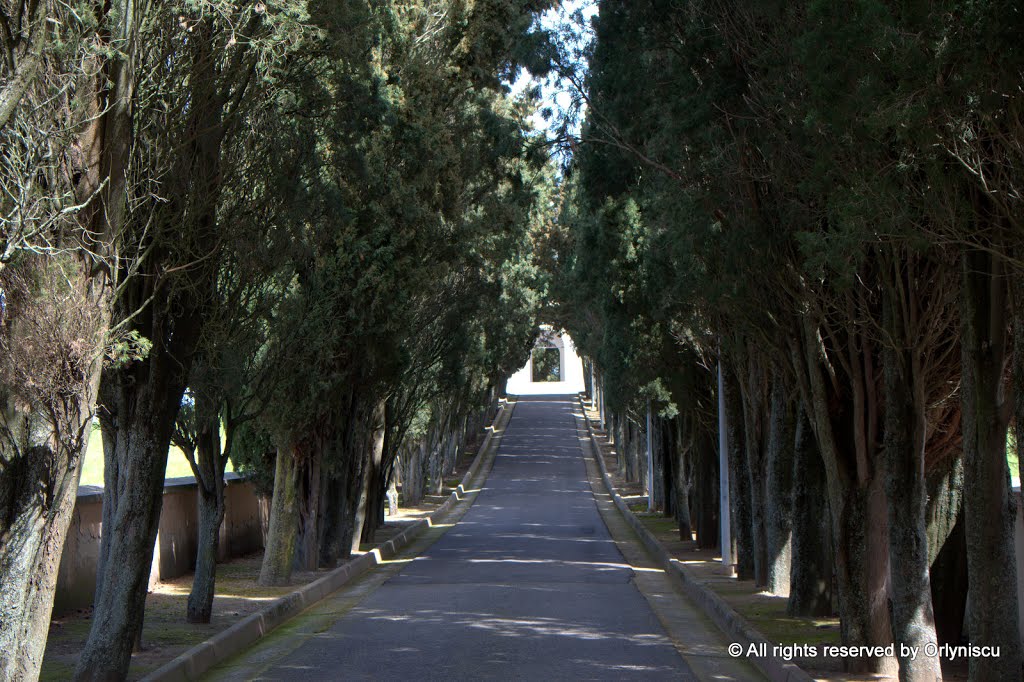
191, 664
728, 620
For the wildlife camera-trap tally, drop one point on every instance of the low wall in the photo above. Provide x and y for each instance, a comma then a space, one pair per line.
174, 555
243, 532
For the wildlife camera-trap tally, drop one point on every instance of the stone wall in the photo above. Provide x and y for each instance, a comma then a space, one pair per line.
76, 580
242, 533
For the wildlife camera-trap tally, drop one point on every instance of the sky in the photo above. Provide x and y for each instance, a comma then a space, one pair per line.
555, 96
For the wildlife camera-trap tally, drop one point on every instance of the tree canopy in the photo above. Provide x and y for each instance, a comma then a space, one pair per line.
785, 191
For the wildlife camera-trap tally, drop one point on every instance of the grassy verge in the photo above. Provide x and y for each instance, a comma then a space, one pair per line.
765, 612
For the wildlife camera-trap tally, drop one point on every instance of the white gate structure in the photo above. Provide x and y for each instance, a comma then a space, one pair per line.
522, 383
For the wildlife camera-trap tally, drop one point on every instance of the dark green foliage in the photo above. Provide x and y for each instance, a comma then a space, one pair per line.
413, 188
546, 365
756, 183
316, 218
253, 456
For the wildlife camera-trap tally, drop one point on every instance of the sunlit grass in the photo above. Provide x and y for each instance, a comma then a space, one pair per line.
92, 467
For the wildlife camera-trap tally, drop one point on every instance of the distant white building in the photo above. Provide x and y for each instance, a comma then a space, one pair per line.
569, 369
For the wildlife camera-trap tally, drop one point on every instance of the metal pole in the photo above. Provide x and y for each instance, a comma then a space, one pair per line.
650, 462
593, 386
723, 473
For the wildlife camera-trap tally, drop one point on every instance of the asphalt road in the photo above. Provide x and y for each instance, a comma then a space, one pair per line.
528, 585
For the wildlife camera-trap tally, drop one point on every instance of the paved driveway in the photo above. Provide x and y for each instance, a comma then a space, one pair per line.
528, 585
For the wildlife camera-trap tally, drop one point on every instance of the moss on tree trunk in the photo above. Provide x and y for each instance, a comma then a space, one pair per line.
282, 535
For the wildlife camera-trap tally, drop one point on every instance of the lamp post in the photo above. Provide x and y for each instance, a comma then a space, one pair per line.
723, 473
650, 461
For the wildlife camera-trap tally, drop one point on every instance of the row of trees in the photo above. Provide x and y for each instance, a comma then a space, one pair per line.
822, 201
295, 234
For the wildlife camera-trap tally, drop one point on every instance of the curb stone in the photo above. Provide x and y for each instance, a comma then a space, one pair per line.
730, 622
191, 664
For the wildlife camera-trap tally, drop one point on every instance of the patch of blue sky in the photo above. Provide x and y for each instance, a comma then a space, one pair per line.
561, 103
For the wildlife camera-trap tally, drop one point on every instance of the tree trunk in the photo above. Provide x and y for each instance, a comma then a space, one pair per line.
779, 500
633, 452
332, 522
371, 473
37, 498
26, 61
209, 471
682, 498
860, 533
948, 576
339, 497
989, 506
810, 584
1017, 295
412, 474
679, 475
132, 499
46, 420
39, 475
588, 380
451, 452
913, 622
307, 545
147, 393
841, 415
624, 441
660, 446
142, 402
375, 498
755, 408
211, 516
435, 476
739, 483
638, 454
705, 490
947, 550
619, 439
282, 535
